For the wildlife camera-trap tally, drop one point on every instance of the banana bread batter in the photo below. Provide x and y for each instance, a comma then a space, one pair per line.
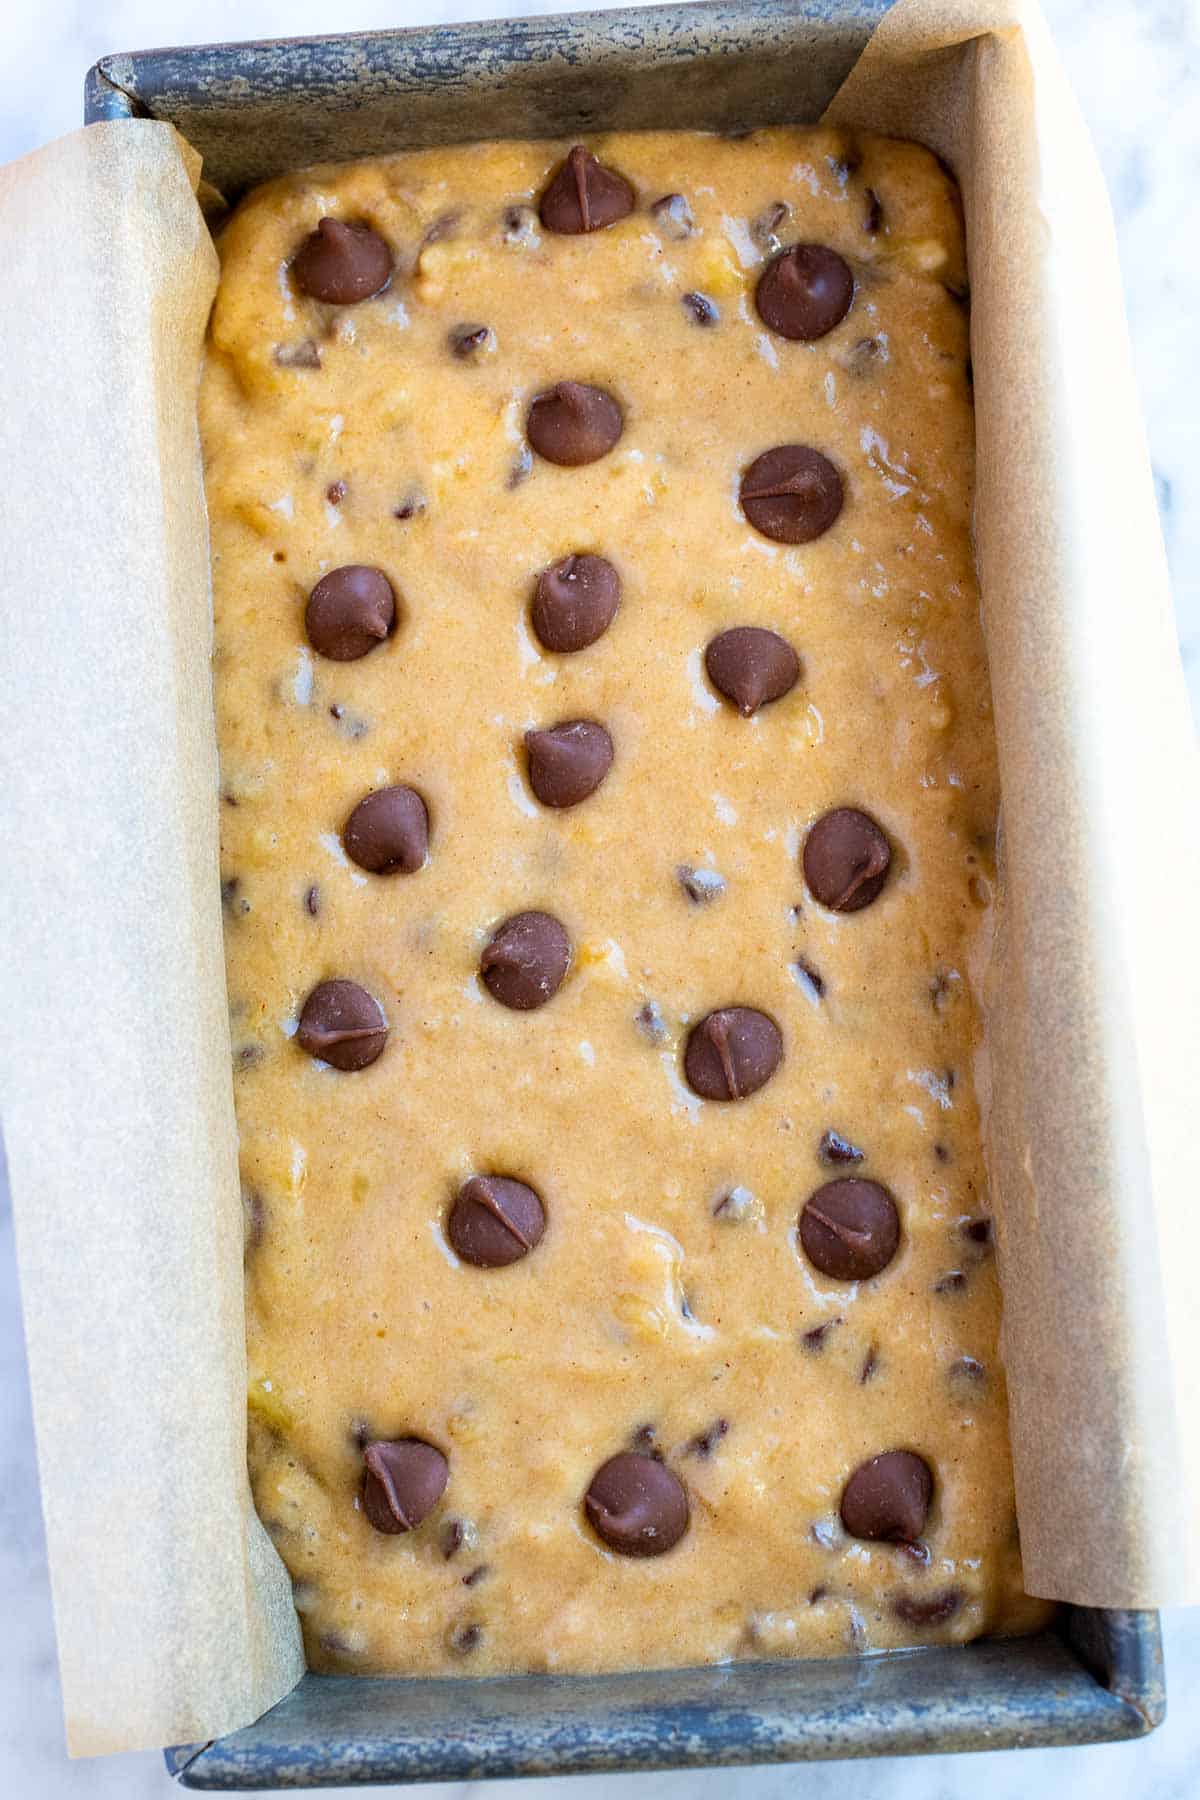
608, 823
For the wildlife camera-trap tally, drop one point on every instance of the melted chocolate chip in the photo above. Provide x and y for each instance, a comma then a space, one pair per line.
731, 1053
403, 1480
850, 1229
574, 603
700, 309
673, 217
349, 612
930, 1609
833, 1149
791, 494
583, 195
846, 860
342, 263
468, 340
343, 1025
751, 667
388, 832
700, 885
572, 423
495, 1221
524, 963
873, 217
888, 1497
568, 762
804, 292
705, 1442
637, 1505
304, 355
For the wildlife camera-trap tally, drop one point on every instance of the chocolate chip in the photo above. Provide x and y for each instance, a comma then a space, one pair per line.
952, 1282
336, 492
388, 832
731, 1053
705, 1442
751, 667
343, 1025
850, 1229
583, 195
411, 507
522, 468
572, 423
312, 900
350, 724
833, 1148
738, 1204
462, 1639
845, 164
870, 1364
873, 217
917, 1553
637, 1505
932, 1609
700, 885
814, 1339
474, 1576
467, 340
453, 1537
960, 293
349, 612
767, 224
846, 860
700, 309
968, 1370
520, 225
864, 356
342, 263
403, 1480
304, 355
791, 493
524, 963
978, 1231
809, 978
804, 292
816, 1595
568, 762
673, 217
232, 899
495, 1221
888, 1497
644, 1439
942, 1153
650, 1022
574, 603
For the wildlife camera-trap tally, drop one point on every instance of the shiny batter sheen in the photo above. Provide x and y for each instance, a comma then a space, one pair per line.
642, 1306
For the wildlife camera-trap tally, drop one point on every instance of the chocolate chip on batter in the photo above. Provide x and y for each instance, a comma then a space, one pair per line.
468, 340
833, 1148
700, 885
455, 1533
766, 225
572, 423
524, 963
403, 1480
342, 1024
804, 292
731, 1053
568, 762
312, 900
584, 195
673, 217
813, 1340
336, 492
342, 263
850, 1229
304, 355
927, 1609
637, 1505
388, 832
705, 1442
846, 859
873, 217
751, 666
888, 1497
978, 1231
701, 309
574, 603
495, 1221
349, 612
868, 354
791, 494
809, 978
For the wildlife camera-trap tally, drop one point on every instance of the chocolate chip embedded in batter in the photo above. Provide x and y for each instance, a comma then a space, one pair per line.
810, 979
813, 1340
412, 506
952, 1282
873, 217
520, 225
336, 492
804, 292
343, 1025
349, 612
584, 195
521, 470
731, 1053
342, 263
403, 1480
524, 963
701, 886
388, 832
304, 355
869, 1365
495, 1221
766, 225
650, 1022
888, 1497
927, 1609
568, 762
572, 423
850, 1229
312, 900
574, 603
705, 1442
978, 1231
833, 1149
464, 1638
751, 667
467, 341
791, 494
700, 309
673, 217
846, 859
637, 1505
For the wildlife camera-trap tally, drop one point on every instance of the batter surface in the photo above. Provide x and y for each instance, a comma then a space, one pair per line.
728, 1000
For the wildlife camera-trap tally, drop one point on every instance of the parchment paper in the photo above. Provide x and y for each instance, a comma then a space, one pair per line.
173, 1612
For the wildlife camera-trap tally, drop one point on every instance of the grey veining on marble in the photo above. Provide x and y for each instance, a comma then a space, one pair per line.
1135, 65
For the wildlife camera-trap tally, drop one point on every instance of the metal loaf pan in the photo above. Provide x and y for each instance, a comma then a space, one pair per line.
254, 110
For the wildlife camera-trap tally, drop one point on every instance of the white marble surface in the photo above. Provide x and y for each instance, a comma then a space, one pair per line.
1136, 68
